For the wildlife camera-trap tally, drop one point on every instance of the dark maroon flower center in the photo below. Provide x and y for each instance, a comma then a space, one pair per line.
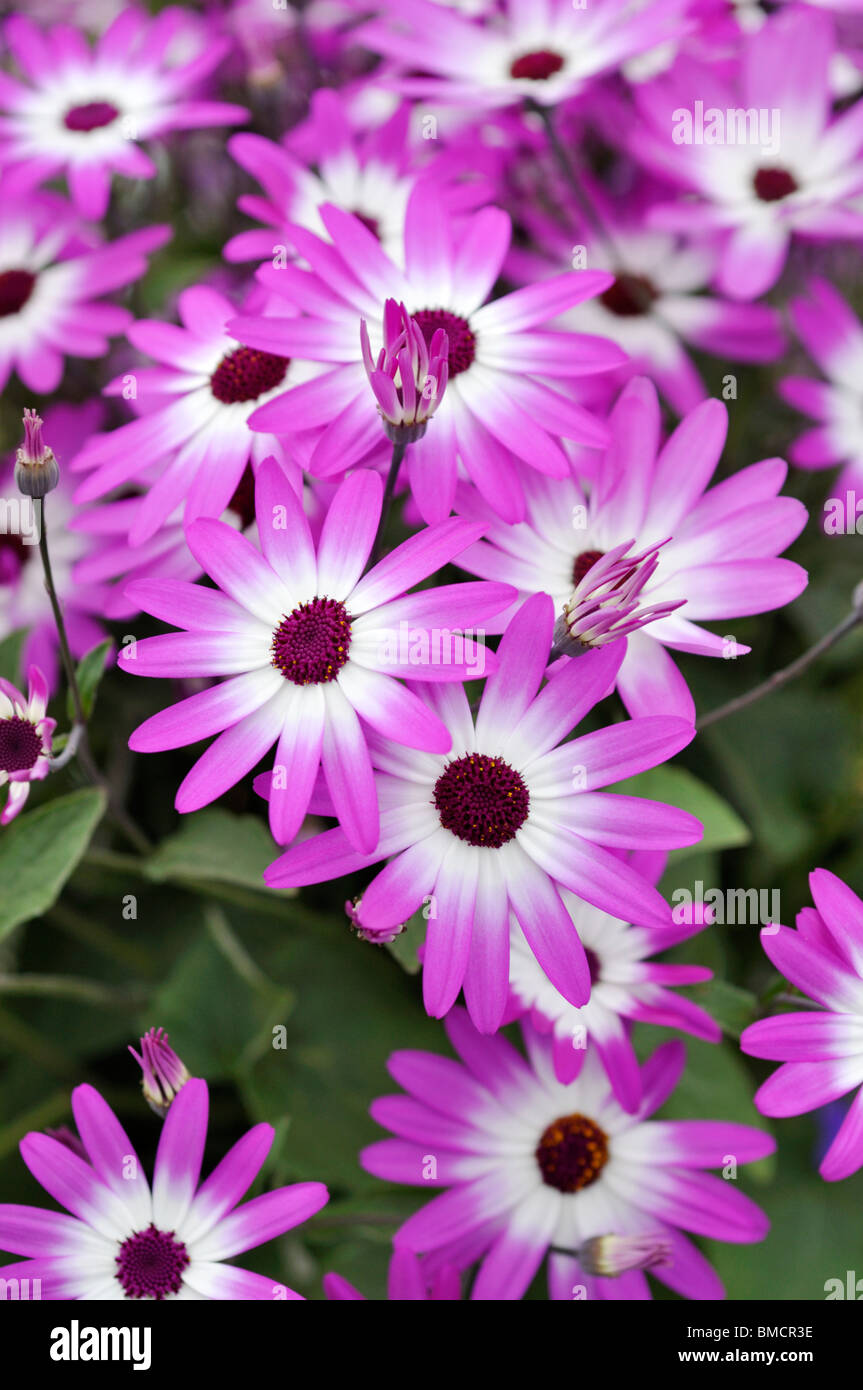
151, 1263
572, 1153
92, 116
245, 374
462, 343
538, 67
628, 296
370, 222
481, 800
20, 744
583, 563
16, 287
13, 554
243, 501
311, 645
773, 184
593, 965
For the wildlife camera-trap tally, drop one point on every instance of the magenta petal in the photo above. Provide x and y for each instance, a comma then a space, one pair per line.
522, 659
845, 1154
178, 1158
262, 1219
348, 771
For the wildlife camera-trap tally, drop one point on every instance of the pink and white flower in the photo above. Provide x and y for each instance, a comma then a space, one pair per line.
655, 310
194, 410
508, 820
540, 50
82, 109
25, 740
625, 987
118, 1238
52, 279
833, 336
499, 412
532, 1164
716, 550
310, 645
821, 1050
759, 196
369, 173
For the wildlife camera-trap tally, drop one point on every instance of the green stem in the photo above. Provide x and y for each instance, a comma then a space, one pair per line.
69, 987
787, 673
399, 451
124, 822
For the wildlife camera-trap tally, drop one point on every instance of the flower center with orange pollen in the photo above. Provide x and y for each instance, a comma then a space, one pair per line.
245, 374
20, 744
771, 185
311, 645
151, 1263
92, 116
16, 287
481, 800
462, 342
572, 1153
538, 66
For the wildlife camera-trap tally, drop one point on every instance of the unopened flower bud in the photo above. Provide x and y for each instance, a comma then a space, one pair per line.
163, 1072
379, 936
606, 602
610, 1256
36, 468
65, 1136
409, 376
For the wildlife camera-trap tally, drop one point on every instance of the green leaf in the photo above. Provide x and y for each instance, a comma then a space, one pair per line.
404, 947
733, 1008
210, 1014
723, 828
39, 851
10, 655
353, 1007
90, 671
215, 846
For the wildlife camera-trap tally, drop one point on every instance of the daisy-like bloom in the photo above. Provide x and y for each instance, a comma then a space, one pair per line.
196, 406
542, 50
406, 1283
408, 376
325, 160
508, 820
655, 309
625, 986
163, 1074
533, 1164
82, 109
833, 335
822, 1050
52, 278
797, 177
24, 600
498, 413
311, 646
25, 740
122, 1239
714, 549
